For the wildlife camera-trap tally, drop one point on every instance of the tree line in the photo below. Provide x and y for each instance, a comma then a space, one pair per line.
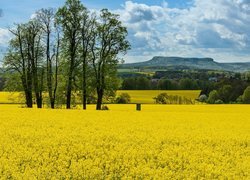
60, 52
147, 83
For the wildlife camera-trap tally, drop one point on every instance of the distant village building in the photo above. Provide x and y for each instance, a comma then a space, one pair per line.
213, 79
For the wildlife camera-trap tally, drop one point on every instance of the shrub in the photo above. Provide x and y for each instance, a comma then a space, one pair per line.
124, 98
246, 96
161, 98
105, 108
239, 100
218, 101
203, 98
164, 98
213, 96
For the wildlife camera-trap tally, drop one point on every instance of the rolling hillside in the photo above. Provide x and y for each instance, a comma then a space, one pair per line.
188, 63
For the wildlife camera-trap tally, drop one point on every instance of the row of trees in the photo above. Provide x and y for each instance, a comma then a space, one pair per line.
147, 83
226, 95
70, 45
164, 98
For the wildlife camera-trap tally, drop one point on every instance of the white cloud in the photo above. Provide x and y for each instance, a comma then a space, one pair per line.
213, 28
33, 16
5, 36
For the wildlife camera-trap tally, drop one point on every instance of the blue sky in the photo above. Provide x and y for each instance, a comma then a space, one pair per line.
21, 10
191, 28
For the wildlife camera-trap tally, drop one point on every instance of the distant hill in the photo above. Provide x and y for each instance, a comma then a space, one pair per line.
188, 63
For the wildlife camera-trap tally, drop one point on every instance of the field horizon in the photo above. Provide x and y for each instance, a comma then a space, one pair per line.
137, 96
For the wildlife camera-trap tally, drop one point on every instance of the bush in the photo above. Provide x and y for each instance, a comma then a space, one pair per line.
164, 98
218, 101
246, 96
213, 96
203, 98
239, 100
124, 98
105, 108
161, 98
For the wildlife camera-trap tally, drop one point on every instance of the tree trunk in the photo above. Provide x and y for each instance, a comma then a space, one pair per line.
29, 87
28, 97
49, 69
71, 70
84, 85
99, 99
52, 103
39, 101
84, 99
68, 94
53, 100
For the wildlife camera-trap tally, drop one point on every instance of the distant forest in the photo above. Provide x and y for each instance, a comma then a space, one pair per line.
229, 87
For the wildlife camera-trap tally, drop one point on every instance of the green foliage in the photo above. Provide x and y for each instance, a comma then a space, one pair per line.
13, 82
218, 101
166, 84
164, 98
246, 96
213, 96
136, 83
225, 93
124, 98
239, 100
161, 98
188, 84
109, 40
91, 99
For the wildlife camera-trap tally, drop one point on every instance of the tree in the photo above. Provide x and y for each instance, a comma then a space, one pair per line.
165, 84
88, 26
129, 83
34, 54
225, 93
124, 98
188, 84
143, 83
25, 57
51, 33
161, 98
16, 59
69, 17
213, 96
246, 96
109, 41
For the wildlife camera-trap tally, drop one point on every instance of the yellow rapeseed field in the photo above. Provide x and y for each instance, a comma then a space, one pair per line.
161, 142
146, 96
137, 96
11, 97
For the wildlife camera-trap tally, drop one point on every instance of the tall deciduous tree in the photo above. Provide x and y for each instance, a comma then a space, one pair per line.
70, 17
109, 42
46, 18
87, 33
26, 57
17, 59
34, 54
